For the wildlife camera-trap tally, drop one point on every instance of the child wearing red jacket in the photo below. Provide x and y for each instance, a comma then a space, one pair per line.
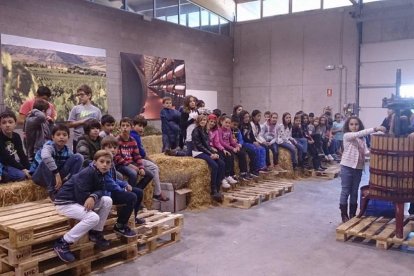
128, 161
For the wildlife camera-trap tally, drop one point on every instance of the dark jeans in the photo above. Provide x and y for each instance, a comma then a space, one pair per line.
313, 152
267, 152
217, 168
45, 177
167, 143
188, 151
350, 179
131, 201
252, 158
242, 157
229, 163
275, 152
133, 177
12, 174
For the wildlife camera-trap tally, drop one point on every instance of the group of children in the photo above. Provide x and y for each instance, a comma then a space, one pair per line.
219, 139
84, 184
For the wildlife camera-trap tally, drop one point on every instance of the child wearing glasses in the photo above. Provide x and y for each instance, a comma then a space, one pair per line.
82, 112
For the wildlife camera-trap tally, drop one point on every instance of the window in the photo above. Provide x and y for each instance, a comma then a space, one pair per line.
224, 27
145, 7
275, 7
192, 13
214, 19
113, 4
248, 11
407, 91
167, 8
328, 4
205, 18
305, 5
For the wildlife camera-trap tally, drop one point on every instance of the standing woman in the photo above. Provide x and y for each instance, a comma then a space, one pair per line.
203, 150
187, 122
352, 164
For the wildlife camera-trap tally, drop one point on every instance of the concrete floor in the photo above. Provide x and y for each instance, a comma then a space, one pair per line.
292, 235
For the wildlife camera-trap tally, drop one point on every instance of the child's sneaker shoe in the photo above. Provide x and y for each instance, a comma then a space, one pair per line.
124, 230
139, 221
98, 238
231, 180
225, 184
61, 248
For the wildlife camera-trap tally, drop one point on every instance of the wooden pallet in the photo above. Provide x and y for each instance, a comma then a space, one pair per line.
330, 173
160, 229
256, 193
375, 229
38, 257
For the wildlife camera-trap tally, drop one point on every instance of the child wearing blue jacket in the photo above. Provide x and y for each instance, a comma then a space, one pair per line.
120, 191
170, 125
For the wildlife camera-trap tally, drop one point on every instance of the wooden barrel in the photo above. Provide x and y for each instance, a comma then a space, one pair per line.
392, 168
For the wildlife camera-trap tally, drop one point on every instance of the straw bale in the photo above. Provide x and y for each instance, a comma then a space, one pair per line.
152, 144
20, 192
285, 161
186, 171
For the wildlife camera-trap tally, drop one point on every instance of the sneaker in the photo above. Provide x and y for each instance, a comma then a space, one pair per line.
61, 248
170, 152
245, 176
98, 238
330, 158
225, 184
320, 169
161, 197
124, 230
231, 180
254, 174
139, 221
217, 196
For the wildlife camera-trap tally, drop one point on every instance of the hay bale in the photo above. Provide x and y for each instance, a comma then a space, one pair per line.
186, 169
152, 144
20, 192
285, 161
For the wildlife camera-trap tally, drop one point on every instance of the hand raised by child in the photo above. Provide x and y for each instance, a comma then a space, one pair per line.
128, 188
141, 172
58, 181
27, 173
380, 128
89, 203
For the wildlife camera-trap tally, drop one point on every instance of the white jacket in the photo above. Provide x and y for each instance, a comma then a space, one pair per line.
351, 152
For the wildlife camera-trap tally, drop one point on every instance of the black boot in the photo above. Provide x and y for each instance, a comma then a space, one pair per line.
352, 210
344, 212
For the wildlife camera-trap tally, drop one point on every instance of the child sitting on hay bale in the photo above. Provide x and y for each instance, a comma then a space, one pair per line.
121, 192
90, 142
55, 163
139, 124
78, 198
203, 150
128, 161
36, 128
107, 126
10, 146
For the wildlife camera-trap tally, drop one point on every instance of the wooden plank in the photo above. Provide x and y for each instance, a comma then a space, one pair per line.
347, 225
375, 227
362, 225
382, 237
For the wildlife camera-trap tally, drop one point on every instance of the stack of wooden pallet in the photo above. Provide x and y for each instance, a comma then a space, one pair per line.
28, 232
380, 230
249, 194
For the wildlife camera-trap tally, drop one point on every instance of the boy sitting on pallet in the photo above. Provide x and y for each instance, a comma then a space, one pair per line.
83, 197
55, 163
121, 192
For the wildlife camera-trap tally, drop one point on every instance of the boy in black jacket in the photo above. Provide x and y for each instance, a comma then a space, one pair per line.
10, 145
77, 199
90, 142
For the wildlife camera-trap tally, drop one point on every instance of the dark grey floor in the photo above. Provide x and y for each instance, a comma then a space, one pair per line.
292, 235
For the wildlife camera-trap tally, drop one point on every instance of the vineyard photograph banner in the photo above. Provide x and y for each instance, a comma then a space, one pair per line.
146, 80
29, 63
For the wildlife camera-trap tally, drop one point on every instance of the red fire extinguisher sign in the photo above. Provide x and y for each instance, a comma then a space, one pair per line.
329, 92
